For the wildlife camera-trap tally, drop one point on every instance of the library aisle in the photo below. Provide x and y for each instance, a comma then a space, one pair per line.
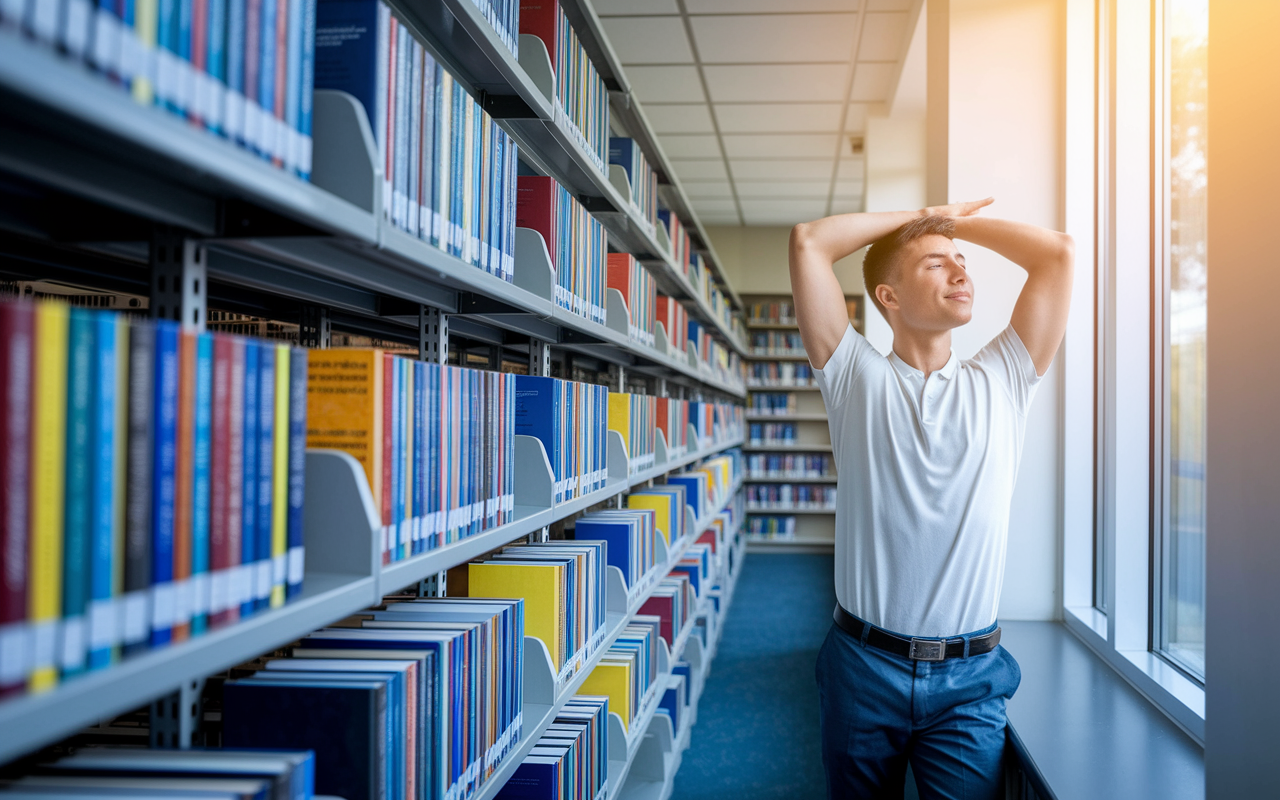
757, 731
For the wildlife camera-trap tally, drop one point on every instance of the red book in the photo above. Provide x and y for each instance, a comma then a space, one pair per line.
199, 53
388, 452
662, 607
182, 497
17, 338
235, 480
219, 478
541, 18
708, 537
282, 74
620, 266
535, 207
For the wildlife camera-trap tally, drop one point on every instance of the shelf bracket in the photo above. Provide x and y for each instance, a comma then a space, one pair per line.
617, 378
178, 279
175, 718
539, 358
543, 534
315, 330
660, 387
433, 335
433, 585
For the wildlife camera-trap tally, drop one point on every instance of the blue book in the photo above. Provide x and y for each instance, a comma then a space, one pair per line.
184, 102
344, 722
419, 451
307, 79
76, 553
200, 464
233, 114
694, 486
671, 706
103, 505
166, 55
266, 88
293, 83
216, 57
249, 532
535, 779
538, 415
297, 470
622, 538
266, 472
349, 62
164, 480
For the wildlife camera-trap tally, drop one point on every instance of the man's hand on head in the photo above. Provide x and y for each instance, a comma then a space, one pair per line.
964, 209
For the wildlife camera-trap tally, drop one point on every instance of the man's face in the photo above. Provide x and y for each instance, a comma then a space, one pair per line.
931, 289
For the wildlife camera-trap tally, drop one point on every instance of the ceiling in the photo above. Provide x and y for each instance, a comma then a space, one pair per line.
755, 101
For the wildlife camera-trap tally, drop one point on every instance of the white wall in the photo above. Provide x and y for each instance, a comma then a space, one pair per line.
755, 260
1243, 493
1000, 133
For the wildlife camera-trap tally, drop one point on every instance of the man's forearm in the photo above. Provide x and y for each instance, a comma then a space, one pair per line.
834, 238
1029, 246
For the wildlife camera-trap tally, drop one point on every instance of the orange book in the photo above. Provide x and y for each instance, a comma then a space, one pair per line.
344, 407
183, 494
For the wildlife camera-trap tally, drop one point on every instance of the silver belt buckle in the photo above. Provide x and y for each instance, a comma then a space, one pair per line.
928, 649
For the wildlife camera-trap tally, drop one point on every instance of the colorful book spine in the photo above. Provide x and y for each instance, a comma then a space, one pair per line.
297, 433
72, 648
201, 486
280, 481
266, 471
164, 474
249, 507
106, 530
17, 359
184, 477
136, 614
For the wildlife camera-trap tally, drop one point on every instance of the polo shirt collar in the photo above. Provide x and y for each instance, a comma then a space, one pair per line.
904, 369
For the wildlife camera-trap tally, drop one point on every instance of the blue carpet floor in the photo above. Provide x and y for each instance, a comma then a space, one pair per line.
757, 732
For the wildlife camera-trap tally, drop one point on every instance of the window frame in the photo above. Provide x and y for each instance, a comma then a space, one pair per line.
1113, 387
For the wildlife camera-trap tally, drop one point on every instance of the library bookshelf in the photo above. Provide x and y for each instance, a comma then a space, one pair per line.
118, 182
788, 447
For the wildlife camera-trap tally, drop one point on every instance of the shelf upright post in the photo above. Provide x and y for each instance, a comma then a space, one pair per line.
178, 279
540, 365
433, 347
661, 387
315, 332
175, 718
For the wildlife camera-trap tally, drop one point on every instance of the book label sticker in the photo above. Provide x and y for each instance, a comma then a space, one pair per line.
15, 647
262, 583
162, 605
297, 559
73, 643
133, 612
103, 630
182, 596
44, 643
219, 591
200, 594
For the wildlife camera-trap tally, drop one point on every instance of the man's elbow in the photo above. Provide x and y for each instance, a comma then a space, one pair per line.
803, 242
1066, 255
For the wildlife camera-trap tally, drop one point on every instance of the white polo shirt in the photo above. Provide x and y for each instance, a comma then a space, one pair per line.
926, 474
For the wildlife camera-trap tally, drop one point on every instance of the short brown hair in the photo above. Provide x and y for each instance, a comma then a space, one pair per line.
881, 258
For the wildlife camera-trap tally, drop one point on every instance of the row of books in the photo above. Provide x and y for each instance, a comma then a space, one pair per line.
716, 422
563, 586
582, 99
694, 268
421, 701
789, 495
766, 433
437, 442
776, 343
771, 527
774, 312
790, 465
779, 403
631, 535
766, 374
571, 420
644, 181
242, 70
628, 669
673, 317
570, 761
153, 487
225, 774
640, 291
635, 416
681, 245
448, 170
576, 243
504, 16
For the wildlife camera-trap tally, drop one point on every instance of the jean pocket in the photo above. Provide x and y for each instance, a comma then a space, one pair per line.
1013, 670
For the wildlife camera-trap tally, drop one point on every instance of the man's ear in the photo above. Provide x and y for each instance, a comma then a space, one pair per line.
887, 296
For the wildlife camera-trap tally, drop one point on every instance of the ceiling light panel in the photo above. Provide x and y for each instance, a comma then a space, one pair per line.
680, 118
607, 8
808, 169
792, 145
873, 83
778, 117
775, 82
884, 37
666, 84
648, 40
773, 38
690, 145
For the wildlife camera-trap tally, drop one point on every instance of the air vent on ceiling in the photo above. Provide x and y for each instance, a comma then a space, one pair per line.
855, 145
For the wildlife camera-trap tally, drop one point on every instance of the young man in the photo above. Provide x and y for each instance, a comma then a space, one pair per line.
927, 448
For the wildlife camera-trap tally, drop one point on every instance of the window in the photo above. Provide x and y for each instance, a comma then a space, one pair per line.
1182, 516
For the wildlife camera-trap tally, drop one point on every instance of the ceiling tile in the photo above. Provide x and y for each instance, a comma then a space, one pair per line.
666, 84
682, 118
855, 119
719, 219
687, 145
805, 189
607, 8
782, 212
872, 5
699, 169
697, 190
790, 145
756, 38
849, 205
850, 188
872, 83
766, 6
851, 168
715, 206
649, 40
884, 37
777, 117
775, 82
807, 169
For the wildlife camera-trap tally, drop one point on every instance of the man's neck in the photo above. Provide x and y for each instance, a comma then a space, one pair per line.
927, 351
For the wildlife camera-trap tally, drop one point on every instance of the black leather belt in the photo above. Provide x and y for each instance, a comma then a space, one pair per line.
916, 649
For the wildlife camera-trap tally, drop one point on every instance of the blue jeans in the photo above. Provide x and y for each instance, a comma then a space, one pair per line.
947, 718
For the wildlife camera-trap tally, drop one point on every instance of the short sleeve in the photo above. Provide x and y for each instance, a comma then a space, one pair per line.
1006, 358
836, 377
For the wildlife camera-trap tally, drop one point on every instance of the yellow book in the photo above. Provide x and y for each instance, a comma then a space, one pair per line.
48, 463
280, 479
612, 679
540, 585
620, 418
145, 14
660, 504
344, 407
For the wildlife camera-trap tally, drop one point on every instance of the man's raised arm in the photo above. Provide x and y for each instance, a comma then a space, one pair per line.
1040, 315
815, 247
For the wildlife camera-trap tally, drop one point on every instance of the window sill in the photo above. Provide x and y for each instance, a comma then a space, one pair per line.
1085, 731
